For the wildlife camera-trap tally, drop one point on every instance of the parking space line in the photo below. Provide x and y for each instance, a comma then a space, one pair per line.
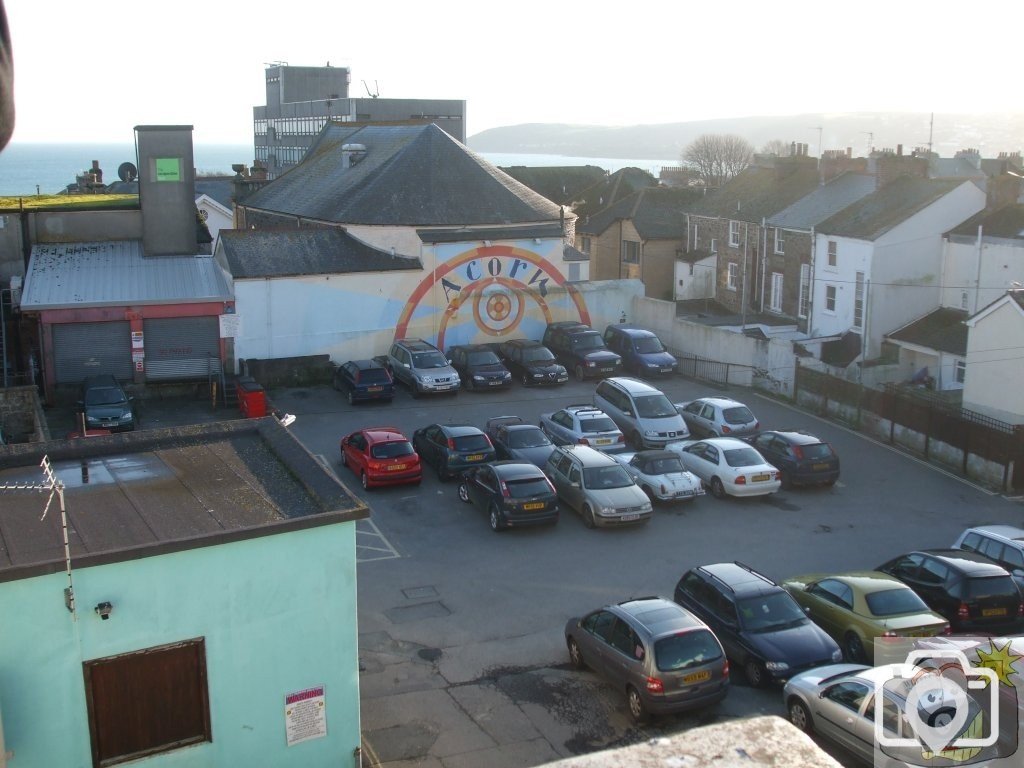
369, 539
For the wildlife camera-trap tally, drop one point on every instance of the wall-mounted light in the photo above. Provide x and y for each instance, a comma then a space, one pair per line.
104, 610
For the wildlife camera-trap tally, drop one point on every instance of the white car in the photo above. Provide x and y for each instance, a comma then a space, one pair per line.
729, 467
661, 474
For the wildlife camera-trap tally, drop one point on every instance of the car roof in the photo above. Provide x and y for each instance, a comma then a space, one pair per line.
659, 454
460, 430
866, 582
632, 330
472, 347
725, 443
523, 343
1011, 532
590, 457
518, 427
743, 581
721, 402
659, 616
968, 563
417, 345
633, 386
584, 409
794, 436
511, 469
564, 324
384, 434
364, 365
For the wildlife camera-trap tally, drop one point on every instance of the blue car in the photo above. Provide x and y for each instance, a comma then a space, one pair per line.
641, 350
364, 380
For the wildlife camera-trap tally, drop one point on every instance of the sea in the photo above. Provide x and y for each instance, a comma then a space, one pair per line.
31, 169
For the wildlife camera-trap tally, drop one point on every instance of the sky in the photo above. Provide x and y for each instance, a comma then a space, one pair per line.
90, 72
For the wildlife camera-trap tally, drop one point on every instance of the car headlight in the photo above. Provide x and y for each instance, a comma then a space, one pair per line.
608, 510
538, 375
506, 375
776, 666
591, 364
646, 507
651, 365
837, 654
477, 377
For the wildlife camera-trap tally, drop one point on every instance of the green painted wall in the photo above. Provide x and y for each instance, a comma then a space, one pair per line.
278, 614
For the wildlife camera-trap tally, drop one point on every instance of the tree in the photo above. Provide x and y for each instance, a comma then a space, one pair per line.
776, 147
718, 157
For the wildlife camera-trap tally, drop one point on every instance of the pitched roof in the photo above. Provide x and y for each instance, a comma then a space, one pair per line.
843, 350
561, 183
409, 175
825, 201
466, 234
612, 188
254, 253
759, 192
942, 329
1006, 222
656, 212
872, 216
219, 188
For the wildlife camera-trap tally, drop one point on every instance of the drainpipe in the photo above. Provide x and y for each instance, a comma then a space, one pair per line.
810, 287
764, 257
743, 291
977, 281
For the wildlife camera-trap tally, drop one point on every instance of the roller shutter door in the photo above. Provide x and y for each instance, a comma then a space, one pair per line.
91, 349
181, 347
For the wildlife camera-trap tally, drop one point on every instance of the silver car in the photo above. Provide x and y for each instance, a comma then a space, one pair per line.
582, 424
597, 487
718, 417
661, 475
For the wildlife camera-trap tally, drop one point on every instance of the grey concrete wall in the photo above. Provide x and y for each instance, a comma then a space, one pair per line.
168, 202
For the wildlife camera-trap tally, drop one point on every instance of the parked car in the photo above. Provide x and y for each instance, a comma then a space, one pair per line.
452, 448
641, 350
513, 493
801, 458
105, 404
1003, 544
364, 380
729, 467
531, 362
661, 475
718, 417
664, 658
479, 367
760, 625
582, 424
970, 591
643, 413
581, 349
513, 438
421, 367
861, 607
597, 487
381, 456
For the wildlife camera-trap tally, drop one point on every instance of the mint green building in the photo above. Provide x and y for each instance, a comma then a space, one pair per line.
211, 617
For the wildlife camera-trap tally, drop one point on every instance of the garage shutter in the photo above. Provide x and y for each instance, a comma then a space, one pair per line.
90, 349
182, 347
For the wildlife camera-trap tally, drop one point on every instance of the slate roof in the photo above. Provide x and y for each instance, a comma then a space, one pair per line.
872, 216
843, 350
561, 183
410, 176
758, 192
219, 188
115, 273
152, 492
656, 212
942, 329
570, 253
257, 253
1006, 222
612, 188
825, 201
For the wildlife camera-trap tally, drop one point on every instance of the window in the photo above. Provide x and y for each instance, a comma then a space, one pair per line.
833, 253
776, 302
696, 237
630, 252
146, 702
585, 244
830, 298
734, 233
714, 245
780, 241
960, 371
858, 302
805, 290
574, 271
730, 280
963, 299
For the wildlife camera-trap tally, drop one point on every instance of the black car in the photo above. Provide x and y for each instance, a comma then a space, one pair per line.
452, 448
801, 458
364, 380
759, 623
531, 362
581, 349
970, 591
513, 493
105, 405
513, 438
479, 367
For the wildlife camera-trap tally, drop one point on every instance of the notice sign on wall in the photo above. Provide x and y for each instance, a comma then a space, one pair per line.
230, 326
305, 715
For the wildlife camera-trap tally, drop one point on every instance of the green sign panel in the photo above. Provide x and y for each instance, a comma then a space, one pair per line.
168, 169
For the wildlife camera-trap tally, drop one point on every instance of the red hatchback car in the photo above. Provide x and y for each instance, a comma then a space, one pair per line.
381, 456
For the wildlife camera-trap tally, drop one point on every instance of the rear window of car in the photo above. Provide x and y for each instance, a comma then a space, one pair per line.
528, 487
737, 415
990, 586
742, 457
373, 376
664, 466
471, 443
597, 424
527, 438
687, 649
817, 451
391, 450
892, 602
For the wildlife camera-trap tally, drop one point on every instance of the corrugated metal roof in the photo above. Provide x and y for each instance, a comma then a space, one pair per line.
872, 216
115, 273
825, 201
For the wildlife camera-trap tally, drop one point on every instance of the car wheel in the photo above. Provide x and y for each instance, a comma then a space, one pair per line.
440, 472
637, 710
854, 648
578, 370
638, 442
575, 654
799, 716
588, 516
650, 494
414, 391
497, 524
463, 492
351, 397
524, 380
469, 384
344, 459
756, 674
829, 483
785, 480
364, 480
717, 489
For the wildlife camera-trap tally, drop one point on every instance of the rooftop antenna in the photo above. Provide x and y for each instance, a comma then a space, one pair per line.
375, 92
931, 132
871, 140
819, 129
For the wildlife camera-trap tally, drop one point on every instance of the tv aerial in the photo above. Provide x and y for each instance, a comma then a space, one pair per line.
375, 92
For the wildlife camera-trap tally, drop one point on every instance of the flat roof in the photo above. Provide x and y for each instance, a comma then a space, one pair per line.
151, 492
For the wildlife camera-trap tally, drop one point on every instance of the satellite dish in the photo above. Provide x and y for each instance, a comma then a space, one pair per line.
127, 172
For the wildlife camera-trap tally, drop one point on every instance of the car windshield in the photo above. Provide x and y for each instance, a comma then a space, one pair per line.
537, 355
429, 360
104, 396
687, 649
738, 415
771, 612
664, 466
483, 358
471, 443
597, 424
742, 457
990, 586
373, 376
893, 602
649, 345
527, 487
600, 478
655, 407
527, 438
587, 341
392, 449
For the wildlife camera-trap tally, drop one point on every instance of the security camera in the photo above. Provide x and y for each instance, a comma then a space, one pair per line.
104, 610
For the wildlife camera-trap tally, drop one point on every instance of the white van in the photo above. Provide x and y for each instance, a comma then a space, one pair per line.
646, 417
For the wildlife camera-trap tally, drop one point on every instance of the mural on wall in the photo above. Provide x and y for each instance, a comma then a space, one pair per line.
487, 293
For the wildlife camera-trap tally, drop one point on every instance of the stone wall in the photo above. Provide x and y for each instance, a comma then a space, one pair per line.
21, 415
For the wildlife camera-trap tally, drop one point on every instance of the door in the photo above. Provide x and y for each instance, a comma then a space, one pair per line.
182, 348
91, 349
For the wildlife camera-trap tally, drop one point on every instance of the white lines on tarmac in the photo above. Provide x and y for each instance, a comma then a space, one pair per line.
371, 544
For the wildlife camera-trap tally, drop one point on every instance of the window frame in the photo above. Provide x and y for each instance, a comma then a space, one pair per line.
833, 253
775, 304
832, 299
731, 272
960, 371
859, 294
734, 233
780, 242
629, 247
803, 306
